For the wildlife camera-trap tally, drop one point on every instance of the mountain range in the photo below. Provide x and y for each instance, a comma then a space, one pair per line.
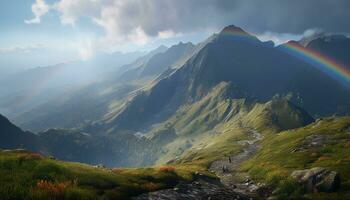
193, 105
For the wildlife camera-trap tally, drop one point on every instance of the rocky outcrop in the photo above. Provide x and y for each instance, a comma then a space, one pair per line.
318, 179
197, 190
314, 142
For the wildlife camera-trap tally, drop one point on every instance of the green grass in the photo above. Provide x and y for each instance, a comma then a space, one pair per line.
215, 147
188, 136
195, 123
278, 159
20, 173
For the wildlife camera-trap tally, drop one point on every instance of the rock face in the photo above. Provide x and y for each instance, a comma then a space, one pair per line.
318, 179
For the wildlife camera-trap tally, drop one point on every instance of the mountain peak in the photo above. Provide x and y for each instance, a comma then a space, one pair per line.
161, 48
3, 120
321, 37
232, 29
293, 42
182, 44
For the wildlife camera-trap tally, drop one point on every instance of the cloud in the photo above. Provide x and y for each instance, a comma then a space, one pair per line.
39, 9
140, 21
278, 38
168, 34
121, 17
72, 10
21, 49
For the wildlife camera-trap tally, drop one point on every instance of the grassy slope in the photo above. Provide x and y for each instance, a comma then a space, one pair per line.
21, 171
199, 134
277, 160
219, 120
283, 152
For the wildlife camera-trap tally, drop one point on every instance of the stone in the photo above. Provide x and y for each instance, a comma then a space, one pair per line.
347, 129
318, 179
272, 198
52, 158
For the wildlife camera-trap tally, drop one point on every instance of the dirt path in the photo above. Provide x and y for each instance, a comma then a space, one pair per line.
225, 169
204, 190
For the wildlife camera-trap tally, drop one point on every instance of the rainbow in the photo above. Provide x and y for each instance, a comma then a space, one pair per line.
322, 62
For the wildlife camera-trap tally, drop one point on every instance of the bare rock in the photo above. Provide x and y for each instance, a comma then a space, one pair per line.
318, 179
312, 142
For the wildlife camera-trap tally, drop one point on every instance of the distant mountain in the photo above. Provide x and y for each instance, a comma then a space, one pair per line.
259, 70
78, 146
103, 98
138, 62
159, 62
12, 137
28, 89
112, 151
335, 46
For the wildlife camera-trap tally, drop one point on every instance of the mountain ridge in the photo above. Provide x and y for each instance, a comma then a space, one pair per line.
212, 64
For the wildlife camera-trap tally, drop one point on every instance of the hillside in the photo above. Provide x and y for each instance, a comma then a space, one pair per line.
320, 144
219, 116
228, 57
12, 137
280, 154
27, 175
219, 111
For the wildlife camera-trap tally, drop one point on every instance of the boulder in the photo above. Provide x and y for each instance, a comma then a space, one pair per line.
318, 179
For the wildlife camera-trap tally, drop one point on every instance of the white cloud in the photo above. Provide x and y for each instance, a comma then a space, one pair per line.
72, 10
136, 22
312, 32
86, 48
128, 21
168, 34
144, 19
39, 9
278, 38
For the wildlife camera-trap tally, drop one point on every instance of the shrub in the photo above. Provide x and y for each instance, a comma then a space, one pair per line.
118, 170
150, 186
54, 189
30, 156
167, 169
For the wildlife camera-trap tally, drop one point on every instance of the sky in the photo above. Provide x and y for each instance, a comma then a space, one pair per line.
45, 32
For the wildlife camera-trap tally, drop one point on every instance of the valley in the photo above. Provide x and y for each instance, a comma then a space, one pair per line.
232, 117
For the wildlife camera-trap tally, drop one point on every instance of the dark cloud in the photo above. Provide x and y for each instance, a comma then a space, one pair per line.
289, 16
295, 16
292, 16
143, 18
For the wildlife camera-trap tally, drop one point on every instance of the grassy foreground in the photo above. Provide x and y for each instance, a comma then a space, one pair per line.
26, 175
